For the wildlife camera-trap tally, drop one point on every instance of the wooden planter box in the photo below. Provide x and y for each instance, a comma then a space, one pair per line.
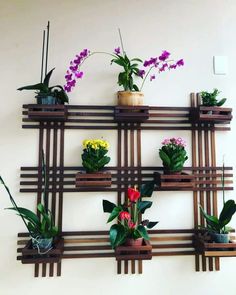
30, 255
143, 252
93, 179
211, 249
40, 112
131, 114
203, 114
174, 181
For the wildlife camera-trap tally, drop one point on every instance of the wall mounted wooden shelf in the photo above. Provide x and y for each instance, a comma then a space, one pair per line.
93, 179
217, 115
210, 249
143, 252
32, 256
174, 182
131, 114
128, 171
52, 112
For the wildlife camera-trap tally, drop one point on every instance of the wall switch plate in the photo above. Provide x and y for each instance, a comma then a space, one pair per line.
220, 65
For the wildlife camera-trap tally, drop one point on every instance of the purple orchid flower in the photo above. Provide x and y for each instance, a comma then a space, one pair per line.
117, 50
165, 54
180, 62
79, 75
152, 77
141, 73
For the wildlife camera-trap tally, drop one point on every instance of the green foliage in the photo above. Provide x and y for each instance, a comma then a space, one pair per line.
130, 228
93, 160
44, 90
173, 157
209, 98
130, 70
218, 225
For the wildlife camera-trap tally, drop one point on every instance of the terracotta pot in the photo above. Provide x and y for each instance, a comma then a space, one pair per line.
133, 242
130, 98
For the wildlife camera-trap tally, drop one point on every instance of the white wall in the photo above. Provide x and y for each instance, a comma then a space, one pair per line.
193, 29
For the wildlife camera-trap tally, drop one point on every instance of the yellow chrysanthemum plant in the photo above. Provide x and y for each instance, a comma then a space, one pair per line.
94, 156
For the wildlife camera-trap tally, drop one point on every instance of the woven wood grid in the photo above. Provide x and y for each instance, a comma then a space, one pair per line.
129, 171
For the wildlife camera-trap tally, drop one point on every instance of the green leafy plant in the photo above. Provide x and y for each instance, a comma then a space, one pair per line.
41, 226
128, 226
210, 98
218, 225
43, 89
94, 155
173, 154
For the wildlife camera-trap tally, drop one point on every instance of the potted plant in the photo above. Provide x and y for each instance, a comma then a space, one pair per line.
41, 228
129, 231
173, 155
46, 94
133, 69
94, 159
209, 99
216, 226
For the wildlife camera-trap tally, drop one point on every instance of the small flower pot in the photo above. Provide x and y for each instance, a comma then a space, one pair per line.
42, 243
134, 242
130, 98
46, 99
220, 238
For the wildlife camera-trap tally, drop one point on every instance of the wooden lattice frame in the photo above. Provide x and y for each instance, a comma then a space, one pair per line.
129, 171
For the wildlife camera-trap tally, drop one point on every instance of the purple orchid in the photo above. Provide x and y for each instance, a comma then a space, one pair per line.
117, 50
180, 62
152, 77
165, 54
141, 73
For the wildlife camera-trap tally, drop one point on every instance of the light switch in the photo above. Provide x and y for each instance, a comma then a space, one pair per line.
220, 65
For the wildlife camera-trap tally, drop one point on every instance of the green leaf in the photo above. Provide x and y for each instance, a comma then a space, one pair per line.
136, 59
40, 87
119, 62
143, 232
115, 212
135, 87
164, 157
227, 212
117, 235
151, 224
212, 221
108, 206
143, 205
221, 102
147, 189
47, 77
27, 214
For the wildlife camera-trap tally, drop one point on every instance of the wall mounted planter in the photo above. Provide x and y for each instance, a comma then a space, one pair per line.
54, 112
143, 252
32, 256
211, 249
93, 179
202, 114
131, 114
174, 181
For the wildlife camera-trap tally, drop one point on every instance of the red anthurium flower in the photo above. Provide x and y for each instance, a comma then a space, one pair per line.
131, 224
124, 215
133, 194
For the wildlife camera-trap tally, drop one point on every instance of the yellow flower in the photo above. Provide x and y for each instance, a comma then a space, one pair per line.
96, 144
